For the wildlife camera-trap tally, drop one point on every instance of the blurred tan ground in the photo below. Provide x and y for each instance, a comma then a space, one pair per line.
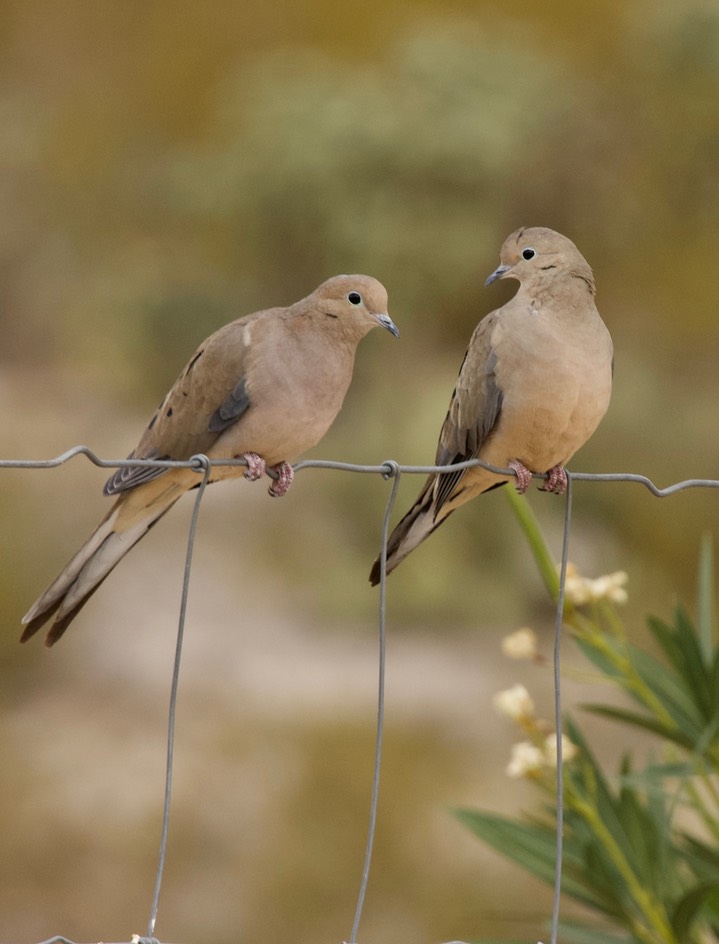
165, 168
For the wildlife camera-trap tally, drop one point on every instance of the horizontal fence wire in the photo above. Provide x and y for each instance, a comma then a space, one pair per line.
389, 470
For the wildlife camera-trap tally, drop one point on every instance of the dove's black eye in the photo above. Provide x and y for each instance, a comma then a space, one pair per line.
528, 254
354, 298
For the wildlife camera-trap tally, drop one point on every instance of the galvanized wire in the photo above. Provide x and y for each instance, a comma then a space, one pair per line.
388, 469
202, 462
556, 663
374, 802
383, 468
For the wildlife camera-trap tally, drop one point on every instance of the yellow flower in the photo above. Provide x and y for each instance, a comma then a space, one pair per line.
515, 703
521, 644
526, 759
569, 749
582, 590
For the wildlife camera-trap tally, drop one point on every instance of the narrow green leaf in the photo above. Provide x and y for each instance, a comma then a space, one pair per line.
582, 934
703, 858
706, 603
666, 636
714, 684
599, 657
642, 721
533, 847
656, 685
688, 907
675, 695
594, 787
681, 646
707, 737
654, 774
711, 911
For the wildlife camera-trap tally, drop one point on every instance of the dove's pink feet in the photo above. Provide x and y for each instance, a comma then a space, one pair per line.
524, 476
255, 466
285, 475
556, 481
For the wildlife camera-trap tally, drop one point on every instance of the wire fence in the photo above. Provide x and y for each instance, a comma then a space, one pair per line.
390, 470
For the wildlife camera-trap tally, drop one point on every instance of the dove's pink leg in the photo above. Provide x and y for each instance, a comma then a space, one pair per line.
556, 481
285, 475
255, 466
524, 476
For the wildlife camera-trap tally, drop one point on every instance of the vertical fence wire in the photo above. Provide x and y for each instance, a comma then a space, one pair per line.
556, 664
395, 475
388, 469
203, 465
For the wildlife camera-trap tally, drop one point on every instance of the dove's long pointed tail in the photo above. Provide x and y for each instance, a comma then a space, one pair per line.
123, 527
419, 522
435, 504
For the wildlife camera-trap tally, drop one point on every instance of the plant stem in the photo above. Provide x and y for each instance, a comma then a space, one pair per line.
537, 545
651, 909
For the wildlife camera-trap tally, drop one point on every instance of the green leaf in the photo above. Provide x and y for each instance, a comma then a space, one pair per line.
666, 687
666, 636
711, 911
706, 604
582, 934
533, 846
606, 650
715, 681
688, 907
681, 645
641, 721
708, 736
675, 694
704, 859
653, 774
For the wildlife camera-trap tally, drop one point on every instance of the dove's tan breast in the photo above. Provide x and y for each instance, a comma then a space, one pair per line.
555, 373
294, 397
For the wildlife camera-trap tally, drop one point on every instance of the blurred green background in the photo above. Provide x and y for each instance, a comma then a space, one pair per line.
169, 166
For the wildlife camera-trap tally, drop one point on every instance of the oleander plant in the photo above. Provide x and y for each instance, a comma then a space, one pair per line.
641, 841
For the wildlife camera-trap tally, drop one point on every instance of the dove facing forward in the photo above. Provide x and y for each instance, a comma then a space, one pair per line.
265, 388
533, 386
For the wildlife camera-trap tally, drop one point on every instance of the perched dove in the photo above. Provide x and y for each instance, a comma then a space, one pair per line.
266, 387
534, 384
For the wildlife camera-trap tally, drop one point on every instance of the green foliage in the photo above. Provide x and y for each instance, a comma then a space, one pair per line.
383, 169
640, 846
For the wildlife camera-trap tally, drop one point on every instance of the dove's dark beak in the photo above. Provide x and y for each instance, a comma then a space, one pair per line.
498, 273
387, 323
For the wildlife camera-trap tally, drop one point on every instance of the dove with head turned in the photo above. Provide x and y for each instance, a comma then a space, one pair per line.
533, 386
265, 388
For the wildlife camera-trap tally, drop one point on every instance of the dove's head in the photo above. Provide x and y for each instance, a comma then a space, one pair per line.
355, 303
537, 255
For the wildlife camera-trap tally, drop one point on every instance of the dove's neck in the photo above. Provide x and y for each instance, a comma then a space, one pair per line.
583, 280
573, 289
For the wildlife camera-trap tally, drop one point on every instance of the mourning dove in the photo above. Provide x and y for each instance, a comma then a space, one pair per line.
533, 386
266, 387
